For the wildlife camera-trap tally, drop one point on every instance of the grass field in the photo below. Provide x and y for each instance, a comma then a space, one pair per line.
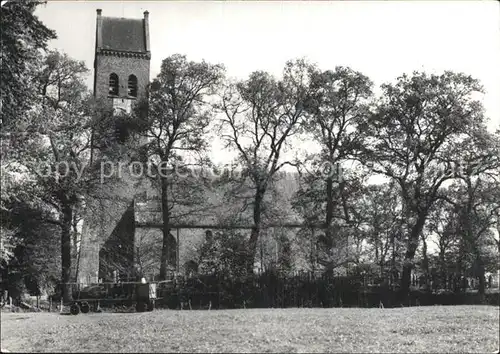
416, 329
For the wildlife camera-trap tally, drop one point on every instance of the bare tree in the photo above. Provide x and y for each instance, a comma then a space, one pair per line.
178, 114
412, 137
339, 104
260, 115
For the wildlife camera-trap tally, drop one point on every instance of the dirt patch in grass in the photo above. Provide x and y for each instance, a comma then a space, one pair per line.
417, 329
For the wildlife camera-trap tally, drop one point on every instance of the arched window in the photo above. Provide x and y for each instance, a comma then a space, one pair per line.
113, 84
132, 86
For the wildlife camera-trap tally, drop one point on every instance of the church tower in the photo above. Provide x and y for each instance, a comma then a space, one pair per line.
122, 57
121, 76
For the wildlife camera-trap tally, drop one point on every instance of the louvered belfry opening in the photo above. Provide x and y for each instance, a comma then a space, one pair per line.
113, 84
132, 86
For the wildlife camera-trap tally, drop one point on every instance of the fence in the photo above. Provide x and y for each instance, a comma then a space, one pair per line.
292, 289
302, 290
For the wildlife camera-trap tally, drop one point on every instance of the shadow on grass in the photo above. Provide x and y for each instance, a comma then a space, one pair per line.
101, 313
15, 318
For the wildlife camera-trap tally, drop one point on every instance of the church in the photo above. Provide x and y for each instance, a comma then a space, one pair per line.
122, 229
121, 75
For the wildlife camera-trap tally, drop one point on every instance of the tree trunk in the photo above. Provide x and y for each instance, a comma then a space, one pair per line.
460, 266
66, 219
313, 254
410, 254
393, 258
75, 252
442, 266
425, 261
329, 210
498, 230
166, 247
473, 244
382, 259
482, 279
254, 236
329, 235
75, 232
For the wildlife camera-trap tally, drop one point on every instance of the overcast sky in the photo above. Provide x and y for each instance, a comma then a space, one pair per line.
382, 39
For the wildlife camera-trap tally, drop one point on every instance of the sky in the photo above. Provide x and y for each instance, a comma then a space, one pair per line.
382, 39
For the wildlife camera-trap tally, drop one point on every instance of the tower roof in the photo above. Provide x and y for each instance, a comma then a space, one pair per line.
123, 34
126, 35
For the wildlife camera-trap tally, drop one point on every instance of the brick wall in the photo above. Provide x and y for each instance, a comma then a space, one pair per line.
123, 67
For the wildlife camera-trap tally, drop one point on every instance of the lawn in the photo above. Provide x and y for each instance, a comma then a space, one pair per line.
415, 329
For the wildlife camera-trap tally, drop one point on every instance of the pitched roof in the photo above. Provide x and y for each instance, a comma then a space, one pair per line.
123, 34
220, 206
